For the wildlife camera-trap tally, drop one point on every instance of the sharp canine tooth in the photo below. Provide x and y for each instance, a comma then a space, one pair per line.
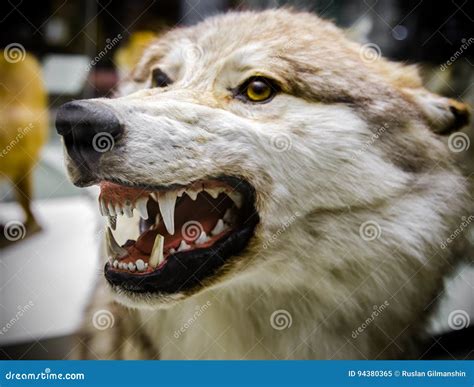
118, 209
181, 192
115, 264
156, 256
172, 251
183, 246
141, 207
218, 228
236, 198
202, 239
112, 221
111, 208
167, 201
114, 247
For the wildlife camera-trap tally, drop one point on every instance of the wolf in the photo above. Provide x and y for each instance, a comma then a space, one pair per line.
280, 193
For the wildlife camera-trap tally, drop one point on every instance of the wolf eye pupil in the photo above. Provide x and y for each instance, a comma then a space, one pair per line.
259, 87
258, 91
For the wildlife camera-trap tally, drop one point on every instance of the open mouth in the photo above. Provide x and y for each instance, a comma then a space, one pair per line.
186, 233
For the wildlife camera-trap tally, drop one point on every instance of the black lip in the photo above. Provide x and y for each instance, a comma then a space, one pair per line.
186, 271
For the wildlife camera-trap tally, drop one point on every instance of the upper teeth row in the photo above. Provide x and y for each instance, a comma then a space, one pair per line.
166, 202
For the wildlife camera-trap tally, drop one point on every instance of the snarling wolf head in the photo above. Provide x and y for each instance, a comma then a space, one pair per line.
266, 147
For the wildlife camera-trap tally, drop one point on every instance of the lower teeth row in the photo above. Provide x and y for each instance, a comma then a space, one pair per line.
156, 256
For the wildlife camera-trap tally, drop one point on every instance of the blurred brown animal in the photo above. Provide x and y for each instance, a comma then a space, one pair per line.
23, 126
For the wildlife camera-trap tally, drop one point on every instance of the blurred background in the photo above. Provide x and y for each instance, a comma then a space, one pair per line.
54, 51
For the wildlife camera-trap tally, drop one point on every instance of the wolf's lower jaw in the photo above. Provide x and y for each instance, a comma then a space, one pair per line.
303, 301
186, 233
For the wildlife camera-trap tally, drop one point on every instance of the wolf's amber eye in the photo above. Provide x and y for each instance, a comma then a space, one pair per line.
256, 89
159, 79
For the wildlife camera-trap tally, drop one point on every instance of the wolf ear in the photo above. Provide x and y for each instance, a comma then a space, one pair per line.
445, 115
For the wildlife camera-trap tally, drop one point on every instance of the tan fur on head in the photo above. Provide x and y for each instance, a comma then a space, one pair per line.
359, 154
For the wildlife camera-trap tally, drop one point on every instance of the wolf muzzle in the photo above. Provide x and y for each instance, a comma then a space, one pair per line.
89, 129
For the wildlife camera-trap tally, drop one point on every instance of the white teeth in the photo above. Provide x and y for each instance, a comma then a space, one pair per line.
112, 222
214, 192
140, 265
122, 265
172, 251
218, 228
236, 198
118, 209
128, 209
180, 192
111, 208
115, 264
193, 193
167, 201
103, 208
131, 266
202, 239
156, 256
141, 207
114, 248
183, 246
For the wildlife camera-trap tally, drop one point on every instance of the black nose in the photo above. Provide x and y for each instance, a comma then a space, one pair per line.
90, 129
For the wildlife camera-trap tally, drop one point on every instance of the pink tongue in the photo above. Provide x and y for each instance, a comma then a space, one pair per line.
191, 217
